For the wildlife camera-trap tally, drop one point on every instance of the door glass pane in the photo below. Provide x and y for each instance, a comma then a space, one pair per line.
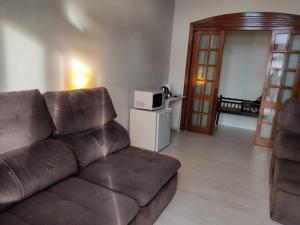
280, 41
206, 106
269, 115
272, 95
204, 41
195, 119
285, 94
210, 73
295, 43
277, 60
199, 88
196, 105
202, 57
200, 72
208, 88
289, 79
204, 121
266, 130
276, 77
215, 40
293, 61
212, 58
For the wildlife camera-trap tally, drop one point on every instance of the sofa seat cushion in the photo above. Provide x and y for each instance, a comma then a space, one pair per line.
287, 146
287, 175
39, 166
73, 202
10, 192
137, 173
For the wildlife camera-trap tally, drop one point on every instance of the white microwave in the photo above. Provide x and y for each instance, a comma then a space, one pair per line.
149, 99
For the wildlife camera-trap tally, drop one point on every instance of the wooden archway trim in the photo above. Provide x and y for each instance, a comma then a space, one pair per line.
250, 21
236, 21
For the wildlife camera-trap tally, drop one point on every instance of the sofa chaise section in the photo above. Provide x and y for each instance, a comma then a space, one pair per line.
147, 173
102, 148
147, 177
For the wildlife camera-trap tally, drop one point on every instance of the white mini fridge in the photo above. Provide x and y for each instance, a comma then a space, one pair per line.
150, 130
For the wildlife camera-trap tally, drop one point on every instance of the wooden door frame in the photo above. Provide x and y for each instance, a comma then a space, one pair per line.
215, 83
295, 92
246, 21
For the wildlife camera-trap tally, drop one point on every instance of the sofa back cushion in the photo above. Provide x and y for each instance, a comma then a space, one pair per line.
33, 169
289, 119
24, 119
79, 110
95, 144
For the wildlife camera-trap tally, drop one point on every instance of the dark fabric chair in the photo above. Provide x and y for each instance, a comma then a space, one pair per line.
285, 167
69, 162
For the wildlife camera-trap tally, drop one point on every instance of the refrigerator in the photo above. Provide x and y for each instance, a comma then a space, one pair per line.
150, 130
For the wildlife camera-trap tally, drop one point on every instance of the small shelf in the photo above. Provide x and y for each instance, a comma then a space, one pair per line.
174, 99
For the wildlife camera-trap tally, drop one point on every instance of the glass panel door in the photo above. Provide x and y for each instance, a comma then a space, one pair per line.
206, 64
281, 83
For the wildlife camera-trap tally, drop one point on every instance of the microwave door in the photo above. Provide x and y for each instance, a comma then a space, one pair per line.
157, 101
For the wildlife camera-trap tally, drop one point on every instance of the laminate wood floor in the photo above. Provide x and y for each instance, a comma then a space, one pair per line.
223, 180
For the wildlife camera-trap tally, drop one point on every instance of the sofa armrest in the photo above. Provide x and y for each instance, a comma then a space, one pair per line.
287, 176
287, 146
289, 118
291, 187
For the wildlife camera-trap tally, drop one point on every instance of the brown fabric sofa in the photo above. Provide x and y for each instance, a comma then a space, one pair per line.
65, 161
285, 167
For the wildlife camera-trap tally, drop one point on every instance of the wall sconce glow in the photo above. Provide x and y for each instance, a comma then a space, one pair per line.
200, 81
79, 81
80, 75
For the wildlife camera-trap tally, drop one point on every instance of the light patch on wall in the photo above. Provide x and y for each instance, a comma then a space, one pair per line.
81, 75
24, 60
74, 15
77, 16
61, 72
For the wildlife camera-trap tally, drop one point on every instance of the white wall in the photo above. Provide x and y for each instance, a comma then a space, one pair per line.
126, 44
187, 11
244, 66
